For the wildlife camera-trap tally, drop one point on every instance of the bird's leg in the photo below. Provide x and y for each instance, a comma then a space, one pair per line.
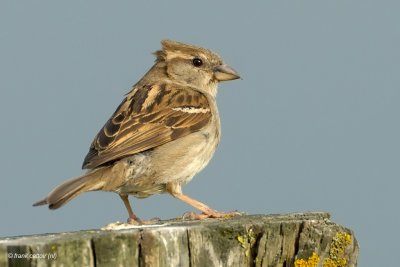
133, 219
176, 191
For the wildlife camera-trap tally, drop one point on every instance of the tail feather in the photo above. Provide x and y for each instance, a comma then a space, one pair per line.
40, 202
70, 189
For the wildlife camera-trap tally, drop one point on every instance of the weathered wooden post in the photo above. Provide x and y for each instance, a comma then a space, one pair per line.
301, 240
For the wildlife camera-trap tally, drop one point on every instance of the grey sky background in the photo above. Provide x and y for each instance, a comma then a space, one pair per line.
313, 125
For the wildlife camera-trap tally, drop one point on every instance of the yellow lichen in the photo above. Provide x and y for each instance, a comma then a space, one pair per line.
247, 241
312, 261
336, 252
335, 263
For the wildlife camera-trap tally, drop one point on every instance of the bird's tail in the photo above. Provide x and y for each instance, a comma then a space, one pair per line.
91, 181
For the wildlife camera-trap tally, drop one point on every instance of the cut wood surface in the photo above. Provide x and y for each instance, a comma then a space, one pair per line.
298, 239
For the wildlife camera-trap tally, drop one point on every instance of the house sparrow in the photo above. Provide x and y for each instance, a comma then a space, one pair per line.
163, 133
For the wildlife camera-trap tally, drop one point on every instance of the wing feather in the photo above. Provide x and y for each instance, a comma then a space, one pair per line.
148, 117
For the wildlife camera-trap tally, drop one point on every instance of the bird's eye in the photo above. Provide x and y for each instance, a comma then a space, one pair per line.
197, 62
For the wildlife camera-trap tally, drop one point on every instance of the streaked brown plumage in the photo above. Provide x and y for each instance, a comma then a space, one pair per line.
163, 133
150, 116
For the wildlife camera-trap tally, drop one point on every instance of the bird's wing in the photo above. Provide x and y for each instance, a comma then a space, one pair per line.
148, 117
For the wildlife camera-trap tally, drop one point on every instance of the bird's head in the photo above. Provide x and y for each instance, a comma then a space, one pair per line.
193, 65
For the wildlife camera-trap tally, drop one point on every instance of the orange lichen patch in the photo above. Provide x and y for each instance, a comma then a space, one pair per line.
312, 261
336, 252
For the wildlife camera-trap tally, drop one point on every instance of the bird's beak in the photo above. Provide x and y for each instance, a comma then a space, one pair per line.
225, 73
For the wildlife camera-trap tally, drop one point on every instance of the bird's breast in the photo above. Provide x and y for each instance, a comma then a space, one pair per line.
181, 159
176, 161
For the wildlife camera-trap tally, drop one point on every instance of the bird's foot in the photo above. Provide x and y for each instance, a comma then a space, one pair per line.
210, 214
134, 221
